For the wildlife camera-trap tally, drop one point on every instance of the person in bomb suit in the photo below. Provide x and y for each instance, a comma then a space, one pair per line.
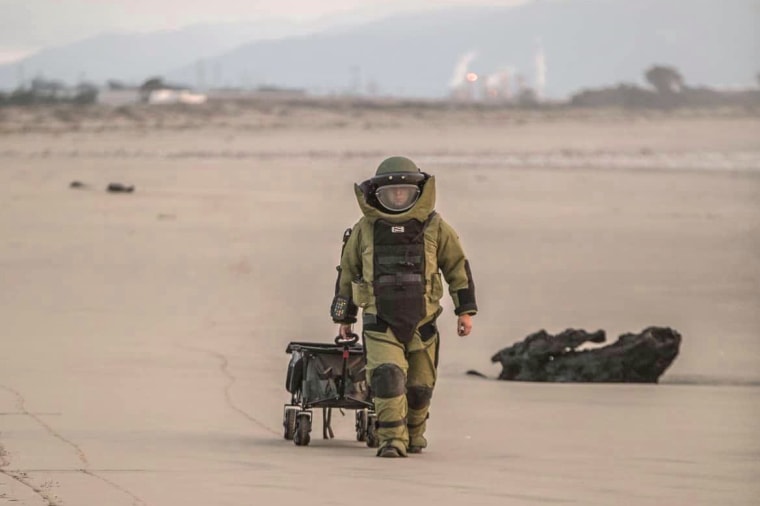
391, 267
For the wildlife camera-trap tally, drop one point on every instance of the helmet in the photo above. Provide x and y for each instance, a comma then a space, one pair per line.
396, 186
396, 165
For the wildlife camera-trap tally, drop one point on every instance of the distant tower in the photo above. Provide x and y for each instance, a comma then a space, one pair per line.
461, 83
540, 64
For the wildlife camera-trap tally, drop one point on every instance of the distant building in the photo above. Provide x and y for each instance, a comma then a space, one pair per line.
171, 96
116, 98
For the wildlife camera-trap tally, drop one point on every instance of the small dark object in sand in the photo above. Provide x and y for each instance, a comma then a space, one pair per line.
119, 188
78, 185
473, 372
633, 358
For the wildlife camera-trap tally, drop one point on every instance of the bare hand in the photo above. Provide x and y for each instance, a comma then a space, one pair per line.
464, 325
344, 329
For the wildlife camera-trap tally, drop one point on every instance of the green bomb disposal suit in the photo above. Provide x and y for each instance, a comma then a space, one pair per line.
391, 267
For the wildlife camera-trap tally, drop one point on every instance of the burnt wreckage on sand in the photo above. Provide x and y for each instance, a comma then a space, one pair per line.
633, 358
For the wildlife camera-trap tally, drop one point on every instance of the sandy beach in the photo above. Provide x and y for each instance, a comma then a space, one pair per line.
143, 335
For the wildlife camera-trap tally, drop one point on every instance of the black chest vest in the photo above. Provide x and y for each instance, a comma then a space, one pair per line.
399, 275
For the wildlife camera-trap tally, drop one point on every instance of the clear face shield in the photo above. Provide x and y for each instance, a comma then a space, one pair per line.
397, 197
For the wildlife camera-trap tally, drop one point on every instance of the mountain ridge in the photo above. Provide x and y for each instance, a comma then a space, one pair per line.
587, 43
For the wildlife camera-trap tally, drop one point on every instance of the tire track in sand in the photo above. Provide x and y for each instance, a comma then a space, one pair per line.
19, 476
231, 379
21, 405
4, 462
136, 501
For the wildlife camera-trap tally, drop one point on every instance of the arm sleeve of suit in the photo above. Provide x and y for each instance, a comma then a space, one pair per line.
343, 309
456, 271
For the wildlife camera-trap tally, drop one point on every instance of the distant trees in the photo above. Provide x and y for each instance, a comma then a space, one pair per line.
156, 83
115, 85
668, 90
44, 88
85, 93
149, 86
666, 80
49, 91
623, 95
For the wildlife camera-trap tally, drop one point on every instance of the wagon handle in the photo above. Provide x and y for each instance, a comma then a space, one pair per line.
346, 343
353, 338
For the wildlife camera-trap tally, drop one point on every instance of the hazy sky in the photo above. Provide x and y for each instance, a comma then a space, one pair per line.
28, 25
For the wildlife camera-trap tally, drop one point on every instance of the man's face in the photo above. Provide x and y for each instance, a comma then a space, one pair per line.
398, 197
402, 195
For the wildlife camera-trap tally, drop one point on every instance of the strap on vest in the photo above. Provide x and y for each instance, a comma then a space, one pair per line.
398, 279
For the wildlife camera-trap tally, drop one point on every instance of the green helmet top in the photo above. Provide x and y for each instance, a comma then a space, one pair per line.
396, 165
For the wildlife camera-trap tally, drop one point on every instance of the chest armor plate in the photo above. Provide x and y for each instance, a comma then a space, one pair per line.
399, 275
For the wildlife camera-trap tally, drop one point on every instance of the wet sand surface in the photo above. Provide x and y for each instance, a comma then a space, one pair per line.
143, 335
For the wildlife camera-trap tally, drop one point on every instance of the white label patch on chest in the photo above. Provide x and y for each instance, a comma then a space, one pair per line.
397, 230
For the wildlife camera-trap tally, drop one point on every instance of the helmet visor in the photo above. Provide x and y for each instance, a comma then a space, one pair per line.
397, 197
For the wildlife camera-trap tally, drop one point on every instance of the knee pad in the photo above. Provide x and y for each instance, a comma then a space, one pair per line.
418, 396
388, 381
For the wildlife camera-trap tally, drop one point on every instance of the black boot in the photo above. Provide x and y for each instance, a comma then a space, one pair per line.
389, 451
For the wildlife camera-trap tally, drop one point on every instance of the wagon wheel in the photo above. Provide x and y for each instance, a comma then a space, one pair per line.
361, 424
372, 439
303, 428
289, 423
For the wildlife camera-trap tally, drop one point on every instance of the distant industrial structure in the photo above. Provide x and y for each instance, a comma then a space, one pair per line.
506, 85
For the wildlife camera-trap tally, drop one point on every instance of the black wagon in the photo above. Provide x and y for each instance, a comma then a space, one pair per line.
327, 376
